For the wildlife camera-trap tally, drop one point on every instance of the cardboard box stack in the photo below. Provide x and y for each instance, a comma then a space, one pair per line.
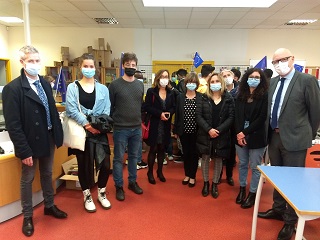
65, 57
102, 56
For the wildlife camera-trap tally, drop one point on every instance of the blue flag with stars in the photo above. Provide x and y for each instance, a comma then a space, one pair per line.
61, 86
298, 67
262, 64
197, 60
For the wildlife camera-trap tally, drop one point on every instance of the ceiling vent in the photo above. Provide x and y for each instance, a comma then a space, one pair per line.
106, 20
301, 22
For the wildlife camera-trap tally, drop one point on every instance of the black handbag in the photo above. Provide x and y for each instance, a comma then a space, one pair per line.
103, 123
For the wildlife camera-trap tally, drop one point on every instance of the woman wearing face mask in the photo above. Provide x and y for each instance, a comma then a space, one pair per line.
93, 99
250, 116
160, 104
186, 128
228, 76
214, 117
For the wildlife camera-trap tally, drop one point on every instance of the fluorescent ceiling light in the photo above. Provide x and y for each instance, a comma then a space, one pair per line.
11, 20
301, 21
209, 3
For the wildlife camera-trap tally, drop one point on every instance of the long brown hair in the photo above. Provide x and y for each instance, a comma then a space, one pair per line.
156, 81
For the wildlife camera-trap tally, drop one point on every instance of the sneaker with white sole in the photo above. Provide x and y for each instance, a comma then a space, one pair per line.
170, 157
102, 198
88, 202
142, 164
164, 161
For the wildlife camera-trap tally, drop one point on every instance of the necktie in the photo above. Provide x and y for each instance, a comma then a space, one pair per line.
274, 120
43, 97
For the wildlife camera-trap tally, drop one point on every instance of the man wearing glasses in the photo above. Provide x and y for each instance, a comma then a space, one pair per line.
293, 120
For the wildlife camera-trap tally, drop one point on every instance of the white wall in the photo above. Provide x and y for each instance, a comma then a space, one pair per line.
4, 42
224, 46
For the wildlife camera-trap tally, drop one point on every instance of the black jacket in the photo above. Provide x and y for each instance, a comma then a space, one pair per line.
204, 120
26, 120
255, 134
153, 106
179, 115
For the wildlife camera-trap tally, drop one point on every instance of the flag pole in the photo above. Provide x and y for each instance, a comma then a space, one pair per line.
57, 85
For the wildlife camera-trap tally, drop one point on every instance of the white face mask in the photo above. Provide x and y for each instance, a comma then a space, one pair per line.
282, 68
141, 80
32, 69
319, 83
229, 80
164, 82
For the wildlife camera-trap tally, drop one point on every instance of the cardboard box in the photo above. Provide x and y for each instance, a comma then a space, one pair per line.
72, 181
65, 50
101, 43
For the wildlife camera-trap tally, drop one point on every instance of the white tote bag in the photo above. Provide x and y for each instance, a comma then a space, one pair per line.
74, 135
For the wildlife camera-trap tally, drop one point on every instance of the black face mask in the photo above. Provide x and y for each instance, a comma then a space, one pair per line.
130, 71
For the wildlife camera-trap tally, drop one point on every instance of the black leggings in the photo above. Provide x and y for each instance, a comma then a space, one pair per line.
159, 152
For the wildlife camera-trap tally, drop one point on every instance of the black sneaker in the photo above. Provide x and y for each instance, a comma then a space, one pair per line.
134, 187
178, 160
119, 193
142, 164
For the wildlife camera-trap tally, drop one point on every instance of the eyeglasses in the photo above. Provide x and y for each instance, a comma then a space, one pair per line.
285, 59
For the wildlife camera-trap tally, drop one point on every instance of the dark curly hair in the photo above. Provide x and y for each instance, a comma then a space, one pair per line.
244, 89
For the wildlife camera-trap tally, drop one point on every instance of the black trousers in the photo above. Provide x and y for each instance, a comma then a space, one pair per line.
190, 154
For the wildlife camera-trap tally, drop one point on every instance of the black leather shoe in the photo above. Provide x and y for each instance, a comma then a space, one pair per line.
286, 232
134, 187
241, 196
27, 226
271, 214
185, 182
54, 211
250, 200
119, 193
191, 185
214, 190
230, 181
161, 177
205, 189
151, 179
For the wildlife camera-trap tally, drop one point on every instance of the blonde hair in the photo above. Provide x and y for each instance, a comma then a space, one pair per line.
209, 92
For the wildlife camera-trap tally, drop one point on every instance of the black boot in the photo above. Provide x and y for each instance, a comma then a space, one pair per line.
205, 189
151, 161
160, 176
241, 196
214, 190
249, 202
151, 177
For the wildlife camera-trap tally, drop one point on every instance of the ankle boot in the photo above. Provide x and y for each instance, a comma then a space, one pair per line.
102, 198
214, 190
88, 202
241, 196
205, 189
151, 178
249, 202
160, 176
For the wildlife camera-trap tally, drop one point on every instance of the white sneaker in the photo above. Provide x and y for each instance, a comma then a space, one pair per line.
88, 202
164, 161
170, 157
103, 199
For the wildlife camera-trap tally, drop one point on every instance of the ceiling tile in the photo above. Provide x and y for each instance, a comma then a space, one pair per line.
175, 15
151, 14
131, 15
89, 6
98, 14
119, 6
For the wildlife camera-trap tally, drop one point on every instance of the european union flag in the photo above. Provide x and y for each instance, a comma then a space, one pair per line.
197, 60
299, 68
61, 86
262, 64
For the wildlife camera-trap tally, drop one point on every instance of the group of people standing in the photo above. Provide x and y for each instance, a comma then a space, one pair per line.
213, 116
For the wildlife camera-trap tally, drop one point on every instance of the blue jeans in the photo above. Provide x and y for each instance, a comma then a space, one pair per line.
254, 158
123, 138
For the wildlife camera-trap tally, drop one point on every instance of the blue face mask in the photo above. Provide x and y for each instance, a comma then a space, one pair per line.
215, 87
88, 72
252, 82
173, 79
191, 86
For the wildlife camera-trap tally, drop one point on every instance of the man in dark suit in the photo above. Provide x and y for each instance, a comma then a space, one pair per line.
35, 129
293, 120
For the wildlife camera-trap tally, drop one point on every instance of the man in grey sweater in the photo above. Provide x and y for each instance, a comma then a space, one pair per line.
126, 96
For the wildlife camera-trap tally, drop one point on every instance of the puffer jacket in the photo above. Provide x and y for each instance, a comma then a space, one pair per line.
204, 120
